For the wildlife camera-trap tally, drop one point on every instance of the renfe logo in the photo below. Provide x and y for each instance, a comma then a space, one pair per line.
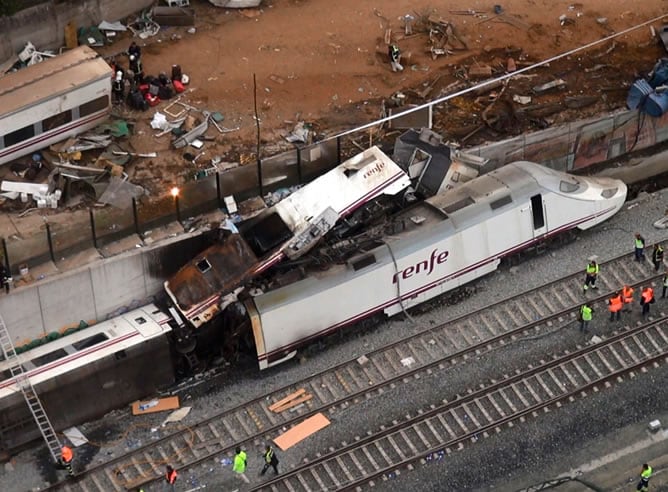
436, 258
375, 169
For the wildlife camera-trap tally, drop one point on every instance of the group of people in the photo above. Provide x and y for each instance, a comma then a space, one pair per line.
239, 466
135, 72
622, 299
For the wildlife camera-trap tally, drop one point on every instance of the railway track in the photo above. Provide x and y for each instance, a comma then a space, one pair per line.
436, 431
550, 307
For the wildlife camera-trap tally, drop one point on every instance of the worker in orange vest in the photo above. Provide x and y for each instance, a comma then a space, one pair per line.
615, 305
170, 476
627, 296
646, 298
66, 457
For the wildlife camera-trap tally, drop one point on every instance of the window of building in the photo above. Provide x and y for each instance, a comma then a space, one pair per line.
19, 136
93, 106
58, 120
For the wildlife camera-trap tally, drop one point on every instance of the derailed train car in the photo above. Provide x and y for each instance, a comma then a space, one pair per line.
432, 247
84, 375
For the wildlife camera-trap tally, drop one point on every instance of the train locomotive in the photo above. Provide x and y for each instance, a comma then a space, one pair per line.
325, 259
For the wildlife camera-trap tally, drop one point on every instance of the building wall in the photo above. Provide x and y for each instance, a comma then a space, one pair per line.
44, 25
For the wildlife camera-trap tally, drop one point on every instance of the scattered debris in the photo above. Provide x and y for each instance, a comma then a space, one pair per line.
480, 70
301, 133
522, 99
75, 436
557, 84
176, 415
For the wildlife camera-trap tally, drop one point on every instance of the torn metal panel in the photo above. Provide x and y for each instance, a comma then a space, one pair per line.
288, 229
193, 134
197, 287
120, 193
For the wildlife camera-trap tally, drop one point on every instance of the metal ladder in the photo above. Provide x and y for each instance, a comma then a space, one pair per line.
26, 387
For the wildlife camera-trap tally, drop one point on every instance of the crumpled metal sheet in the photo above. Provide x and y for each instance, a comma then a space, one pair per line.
120, 193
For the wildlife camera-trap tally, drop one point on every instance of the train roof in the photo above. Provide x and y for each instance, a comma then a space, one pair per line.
51, 77
87, 345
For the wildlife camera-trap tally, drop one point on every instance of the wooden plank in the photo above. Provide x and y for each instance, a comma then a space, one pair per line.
287, 399
169, 403
301, 431
388, 36
293, 403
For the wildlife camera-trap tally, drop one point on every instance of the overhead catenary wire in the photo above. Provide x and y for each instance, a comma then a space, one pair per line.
495, 80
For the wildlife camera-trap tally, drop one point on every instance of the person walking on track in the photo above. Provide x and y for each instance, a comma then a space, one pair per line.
645, 475
270, 459
239, 466
646, 298
657, 256
170, 476
639, 247
615, 305
591, 273
627, 296
586, 315
66, 457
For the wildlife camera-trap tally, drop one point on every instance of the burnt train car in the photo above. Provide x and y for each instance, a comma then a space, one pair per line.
432, 247
84, 375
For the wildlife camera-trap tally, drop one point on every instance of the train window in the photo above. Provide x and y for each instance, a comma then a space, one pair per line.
537, 211
19, 135
58, 120
569, 187
363, 262
90, 341
203, 265
504, 200
458, 205
93, 106
50, 357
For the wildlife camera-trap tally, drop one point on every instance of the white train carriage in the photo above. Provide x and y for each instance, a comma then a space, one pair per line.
84, 375
53, 100
439, 244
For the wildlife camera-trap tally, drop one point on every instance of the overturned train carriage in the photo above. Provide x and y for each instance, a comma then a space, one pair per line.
84, 375
434, 246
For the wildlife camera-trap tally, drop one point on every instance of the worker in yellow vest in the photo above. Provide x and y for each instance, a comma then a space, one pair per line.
239, 465
591, 273
586, 315
645, 475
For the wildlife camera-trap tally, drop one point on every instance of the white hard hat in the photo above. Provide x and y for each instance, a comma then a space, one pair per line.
132, 57
185, 79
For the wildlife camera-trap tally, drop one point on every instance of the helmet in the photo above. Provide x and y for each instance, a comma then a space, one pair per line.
185, 79
119, 76
132, 57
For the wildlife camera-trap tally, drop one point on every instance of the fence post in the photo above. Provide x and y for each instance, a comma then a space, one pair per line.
135, 216
259, 176
50, 241
338, 151
219, 191
5, 252
300, 178
92, 227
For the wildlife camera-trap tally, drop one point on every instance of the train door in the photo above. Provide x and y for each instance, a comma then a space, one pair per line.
538, 215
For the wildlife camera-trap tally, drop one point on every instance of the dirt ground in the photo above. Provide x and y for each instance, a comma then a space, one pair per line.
326, 64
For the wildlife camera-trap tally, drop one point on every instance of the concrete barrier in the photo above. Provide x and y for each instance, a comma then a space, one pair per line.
44, 24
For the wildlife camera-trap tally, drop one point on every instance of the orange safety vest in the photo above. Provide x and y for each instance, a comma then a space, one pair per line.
616, 304
647, 295
67, 454
171, 476
627, 293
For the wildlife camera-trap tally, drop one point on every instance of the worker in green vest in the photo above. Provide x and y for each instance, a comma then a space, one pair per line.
591, 273
586, 313
639, 247
239, 466
645, 475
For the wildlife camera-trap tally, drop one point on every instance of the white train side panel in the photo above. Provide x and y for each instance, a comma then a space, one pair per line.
490, 217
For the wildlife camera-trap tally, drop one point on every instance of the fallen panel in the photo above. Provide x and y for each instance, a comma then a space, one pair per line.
157, 405
301, 431
120, 193
417, 119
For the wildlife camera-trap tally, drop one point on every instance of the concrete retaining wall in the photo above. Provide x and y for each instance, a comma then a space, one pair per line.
43, 25
97, 291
